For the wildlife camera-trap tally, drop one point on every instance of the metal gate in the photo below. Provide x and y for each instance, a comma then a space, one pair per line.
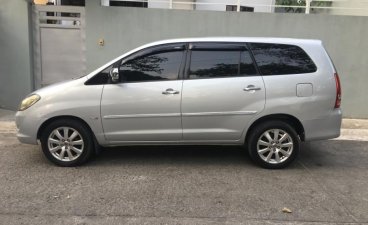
59, 43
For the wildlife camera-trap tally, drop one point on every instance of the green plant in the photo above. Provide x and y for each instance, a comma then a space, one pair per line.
300, 3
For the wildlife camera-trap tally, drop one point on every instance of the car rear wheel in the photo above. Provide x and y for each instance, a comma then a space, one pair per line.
67, 142
273, 144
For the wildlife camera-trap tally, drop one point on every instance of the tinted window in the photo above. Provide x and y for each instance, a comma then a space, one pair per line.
212, 64
275, 59
246, 64
152, 67
100, 78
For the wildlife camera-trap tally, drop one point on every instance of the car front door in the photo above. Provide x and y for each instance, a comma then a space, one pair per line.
144, 106
222, 92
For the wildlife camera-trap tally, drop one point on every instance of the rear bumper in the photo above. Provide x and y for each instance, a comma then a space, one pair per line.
323, 128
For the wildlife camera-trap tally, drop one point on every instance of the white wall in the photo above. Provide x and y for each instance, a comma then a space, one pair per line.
219, 5
158, 5
165, 5
266, 8
222, 7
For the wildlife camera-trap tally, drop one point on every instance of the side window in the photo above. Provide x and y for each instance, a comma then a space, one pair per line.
276, 59
152, 67
220, 63
100, 78
246, 64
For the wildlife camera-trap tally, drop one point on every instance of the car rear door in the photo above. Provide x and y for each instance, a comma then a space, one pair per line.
222, 92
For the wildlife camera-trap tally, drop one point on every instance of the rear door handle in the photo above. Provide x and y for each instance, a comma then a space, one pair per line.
251, 88
170, 91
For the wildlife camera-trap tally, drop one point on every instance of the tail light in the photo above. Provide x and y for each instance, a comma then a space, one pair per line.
338, 91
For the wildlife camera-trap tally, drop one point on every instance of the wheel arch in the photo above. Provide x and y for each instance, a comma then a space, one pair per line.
291, 120
65, 117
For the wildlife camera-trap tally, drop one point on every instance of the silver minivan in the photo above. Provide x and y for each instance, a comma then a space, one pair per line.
267, 94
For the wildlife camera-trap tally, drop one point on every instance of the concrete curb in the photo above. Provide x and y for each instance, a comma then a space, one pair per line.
354, 124
353, 135
7, 127
6, 115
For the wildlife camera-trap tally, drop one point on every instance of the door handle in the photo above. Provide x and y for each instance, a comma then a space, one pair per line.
170, 91
251, 88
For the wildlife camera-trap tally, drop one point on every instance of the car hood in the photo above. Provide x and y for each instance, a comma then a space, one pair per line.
61, 86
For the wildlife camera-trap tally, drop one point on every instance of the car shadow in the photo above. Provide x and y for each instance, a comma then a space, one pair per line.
200, 155
328, 153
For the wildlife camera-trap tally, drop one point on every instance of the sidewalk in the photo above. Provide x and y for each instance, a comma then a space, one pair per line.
7, 124
351, 129
354, 129
6, 115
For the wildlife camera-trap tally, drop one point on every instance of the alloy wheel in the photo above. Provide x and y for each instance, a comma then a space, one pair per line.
65, 144
275, 146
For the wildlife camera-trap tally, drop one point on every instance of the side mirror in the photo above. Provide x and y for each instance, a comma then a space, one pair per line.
114, 75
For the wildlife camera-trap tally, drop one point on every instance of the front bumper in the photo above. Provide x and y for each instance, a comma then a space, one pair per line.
27, 125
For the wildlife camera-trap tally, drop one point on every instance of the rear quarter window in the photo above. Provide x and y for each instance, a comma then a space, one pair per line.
278, 59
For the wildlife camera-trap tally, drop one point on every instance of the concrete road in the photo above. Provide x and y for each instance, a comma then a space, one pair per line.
184, 185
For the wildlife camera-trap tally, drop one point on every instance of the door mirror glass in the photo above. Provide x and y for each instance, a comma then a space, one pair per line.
114, 75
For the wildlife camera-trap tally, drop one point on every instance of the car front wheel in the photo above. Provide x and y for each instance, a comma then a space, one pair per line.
67, 142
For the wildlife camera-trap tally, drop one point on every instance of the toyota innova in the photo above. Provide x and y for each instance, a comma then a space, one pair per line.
267, 94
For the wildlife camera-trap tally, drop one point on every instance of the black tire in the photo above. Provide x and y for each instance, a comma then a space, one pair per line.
87, 150
259, 133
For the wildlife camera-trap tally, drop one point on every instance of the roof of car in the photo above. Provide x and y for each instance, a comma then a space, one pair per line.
238, 39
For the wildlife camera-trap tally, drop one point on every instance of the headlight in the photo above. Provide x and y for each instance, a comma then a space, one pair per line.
28, 102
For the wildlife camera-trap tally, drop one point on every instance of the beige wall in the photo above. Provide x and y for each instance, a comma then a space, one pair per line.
166, 5
40, 2
182, 6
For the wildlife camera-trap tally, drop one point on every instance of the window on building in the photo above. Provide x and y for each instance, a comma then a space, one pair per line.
73, 2
139, 4
276, 59
60, 2
242, 8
